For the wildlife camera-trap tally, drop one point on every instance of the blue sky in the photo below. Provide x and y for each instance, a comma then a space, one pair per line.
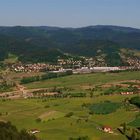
70, 13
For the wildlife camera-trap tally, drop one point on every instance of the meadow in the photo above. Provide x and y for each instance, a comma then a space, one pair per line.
50, 115
54, 125
76, 81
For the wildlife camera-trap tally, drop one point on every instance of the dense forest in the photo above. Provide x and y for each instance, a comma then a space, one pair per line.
10, 132
47, 44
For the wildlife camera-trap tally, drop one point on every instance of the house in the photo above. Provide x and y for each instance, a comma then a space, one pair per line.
127, 93
34, 131
107, 129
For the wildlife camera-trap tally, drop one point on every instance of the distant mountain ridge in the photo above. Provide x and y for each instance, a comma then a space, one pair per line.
46, 44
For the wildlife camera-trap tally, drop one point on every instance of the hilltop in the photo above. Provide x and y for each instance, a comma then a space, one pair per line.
113, 44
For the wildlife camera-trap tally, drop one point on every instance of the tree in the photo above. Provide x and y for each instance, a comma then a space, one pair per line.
38, 120
133, 135
124, 128
135, 100
10, 132
91, 94
138, 135
69, 114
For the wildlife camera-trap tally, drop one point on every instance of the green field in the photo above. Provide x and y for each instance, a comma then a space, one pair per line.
54, 125
76, 81
135, 123
23, 113
104, 108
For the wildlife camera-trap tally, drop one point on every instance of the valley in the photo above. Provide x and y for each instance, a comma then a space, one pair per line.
60, 108
70, 83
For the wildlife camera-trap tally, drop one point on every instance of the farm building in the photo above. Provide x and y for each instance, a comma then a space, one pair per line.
127, 93
107, 129
34, 131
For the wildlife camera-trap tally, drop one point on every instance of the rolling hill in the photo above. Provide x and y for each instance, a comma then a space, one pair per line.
47, 44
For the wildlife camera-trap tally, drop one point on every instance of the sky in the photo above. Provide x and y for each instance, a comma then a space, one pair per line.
70, 13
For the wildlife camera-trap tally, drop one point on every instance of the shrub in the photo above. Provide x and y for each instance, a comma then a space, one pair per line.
69, 114
80, 138
47, 106
38, 120
135, 100
77, 94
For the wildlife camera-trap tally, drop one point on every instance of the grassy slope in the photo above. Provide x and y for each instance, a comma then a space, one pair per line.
24, 112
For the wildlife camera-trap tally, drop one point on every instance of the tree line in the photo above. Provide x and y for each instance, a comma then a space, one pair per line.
10, 132
50, 75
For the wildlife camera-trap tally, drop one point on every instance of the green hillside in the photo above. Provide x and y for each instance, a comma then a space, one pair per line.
47, 44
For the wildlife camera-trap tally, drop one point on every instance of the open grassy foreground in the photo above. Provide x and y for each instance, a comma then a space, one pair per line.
60, 118
54, 125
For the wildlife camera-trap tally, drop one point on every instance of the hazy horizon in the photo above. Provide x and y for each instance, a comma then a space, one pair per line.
70, 13
51, 26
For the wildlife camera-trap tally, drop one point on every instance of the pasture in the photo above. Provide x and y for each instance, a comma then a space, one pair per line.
54, 125
50, 115
86, 80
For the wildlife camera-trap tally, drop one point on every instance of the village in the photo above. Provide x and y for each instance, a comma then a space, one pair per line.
51, 98
89, 65
20, 91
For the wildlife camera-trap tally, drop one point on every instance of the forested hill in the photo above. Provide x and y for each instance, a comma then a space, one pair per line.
46, 44
10, 132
